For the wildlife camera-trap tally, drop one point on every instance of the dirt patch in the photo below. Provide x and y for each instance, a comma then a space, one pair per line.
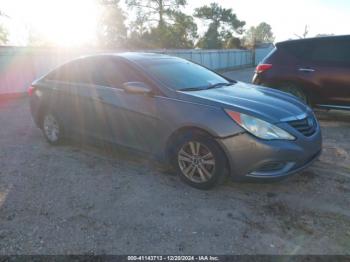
83, 199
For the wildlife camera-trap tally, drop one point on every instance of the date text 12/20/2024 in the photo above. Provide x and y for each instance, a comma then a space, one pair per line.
173, 258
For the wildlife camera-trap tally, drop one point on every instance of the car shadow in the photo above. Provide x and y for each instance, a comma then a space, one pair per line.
147, 163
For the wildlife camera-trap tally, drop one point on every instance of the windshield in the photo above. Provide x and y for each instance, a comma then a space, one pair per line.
182, 75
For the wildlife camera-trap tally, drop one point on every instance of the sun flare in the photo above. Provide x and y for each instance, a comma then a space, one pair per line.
65, 22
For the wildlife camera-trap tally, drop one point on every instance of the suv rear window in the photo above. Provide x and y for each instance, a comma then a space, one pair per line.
327, 51
299, 50
331, 52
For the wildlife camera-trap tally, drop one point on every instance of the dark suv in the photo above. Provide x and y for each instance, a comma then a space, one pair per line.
317, 70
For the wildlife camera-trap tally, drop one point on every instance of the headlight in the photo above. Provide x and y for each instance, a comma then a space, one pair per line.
258, 127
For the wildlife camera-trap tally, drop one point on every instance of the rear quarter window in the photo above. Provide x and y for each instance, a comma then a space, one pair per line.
78, 71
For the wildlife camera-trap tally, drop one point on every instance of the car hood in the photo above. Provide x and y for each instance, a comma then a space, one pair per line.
268, 104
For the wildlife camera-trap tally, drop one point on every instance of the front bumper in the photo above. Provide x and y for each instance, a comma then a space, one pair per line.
250, 157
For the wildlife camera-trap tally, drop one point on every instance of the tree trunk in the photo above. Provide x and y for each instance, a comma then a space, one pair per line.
161, 13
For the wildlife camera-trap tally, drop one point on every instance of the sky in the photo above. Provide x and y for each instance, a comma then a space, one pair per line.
73, 22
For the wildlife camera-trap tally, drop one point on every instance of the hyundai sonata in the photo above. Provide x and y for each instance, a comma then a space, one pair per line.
203, 123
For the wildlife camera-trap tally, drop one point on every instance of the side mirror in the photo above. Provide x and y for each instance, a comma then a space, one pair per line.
137, 88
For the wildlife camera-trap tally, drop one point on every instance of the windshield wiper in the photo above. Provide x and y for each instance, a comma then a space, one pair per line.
218, 85
190, 89
207, 87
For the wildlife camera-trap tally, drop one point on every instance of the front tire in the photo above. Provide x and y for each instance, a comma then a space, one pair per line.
52, 128
199, 161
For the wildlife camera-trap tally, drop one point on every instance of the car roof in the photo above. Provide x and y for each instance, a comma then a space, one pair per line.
314, 39
141, 58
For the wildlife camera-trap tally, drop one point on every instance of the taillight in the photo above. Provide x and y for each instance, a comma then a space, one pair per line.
262, 68
31, 90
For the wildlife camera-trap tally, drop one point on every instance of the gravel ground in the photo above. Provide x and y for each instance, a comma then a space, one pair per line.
76, 199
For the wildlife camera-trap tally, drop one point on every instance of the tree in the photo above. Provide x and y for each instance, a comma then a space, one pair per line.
137, 30
304, 34
231, 42
222, 21
160, 24
260, 34
178, 34
111, 30
183, 31
139, 25
157, 10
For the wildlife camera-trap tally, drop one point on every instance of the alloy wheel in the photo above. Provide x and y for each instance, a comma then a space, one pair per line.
196, 162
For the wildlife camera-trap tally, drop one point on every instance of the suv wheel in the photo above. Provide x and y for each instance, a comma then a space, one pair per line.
52, 129
296, 91
199, 161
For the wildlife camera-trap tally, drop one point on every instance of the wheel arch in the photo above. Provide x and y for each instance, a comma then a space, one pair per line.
43, 108
189, 130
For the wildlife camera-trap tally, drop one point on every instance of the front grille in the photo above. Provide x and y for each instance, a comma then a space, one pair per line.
306, 126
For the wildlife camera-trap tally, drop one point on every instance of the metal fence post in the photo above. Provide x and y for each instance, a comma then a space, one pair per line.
253, 56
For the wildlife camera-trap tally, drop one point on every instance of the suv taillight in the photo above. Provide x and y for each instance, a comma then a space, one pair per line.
262, 68
31, 90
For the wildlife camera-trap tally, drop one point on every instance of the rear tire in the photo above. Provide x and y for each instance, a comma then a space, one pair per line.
199, 161
52, 128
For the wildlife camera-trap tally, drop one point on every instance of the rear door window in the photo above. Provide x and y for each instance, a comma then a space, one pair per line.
113, 72
107, 73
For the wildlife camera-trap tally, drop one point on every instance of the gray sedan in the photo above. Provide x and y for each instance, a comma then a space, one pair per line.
201, 122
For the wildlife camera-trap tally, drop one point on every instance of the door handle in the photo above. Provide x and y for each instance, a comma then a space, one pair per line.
306, 70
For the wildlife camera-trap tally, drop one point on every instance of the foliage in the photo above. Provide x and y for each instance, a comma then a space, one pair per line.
111, 30
222, 22
260, 34
140, 25
160, 24
157, 10
232, 42
183, 31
